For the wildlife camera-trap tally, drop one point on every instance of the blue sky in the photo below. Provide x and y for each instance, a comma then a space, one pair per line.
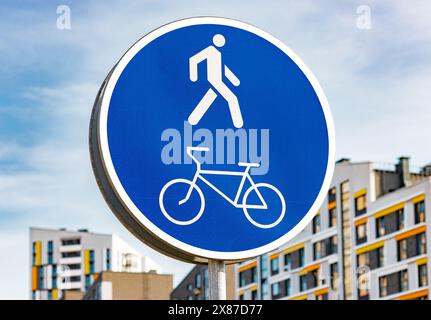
377, 83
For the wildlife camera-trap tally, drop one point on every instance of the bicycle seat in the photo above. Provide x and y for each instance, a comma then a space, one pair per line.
248, 164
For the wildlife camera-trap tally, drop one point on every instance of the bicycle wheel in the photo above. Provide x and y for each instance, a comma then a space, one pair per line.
176, 184
261, 187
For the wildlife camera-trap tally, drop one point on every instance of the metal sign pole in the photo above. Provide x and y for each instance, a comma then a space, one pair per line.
217, 279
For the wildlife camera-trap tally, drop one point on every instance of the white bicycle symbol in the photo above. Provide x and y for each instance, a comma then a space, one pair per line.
235, 202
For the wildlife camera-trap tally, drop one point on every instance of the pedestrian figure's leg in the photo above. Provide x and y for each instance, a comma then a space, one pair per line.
202, 107
232, 101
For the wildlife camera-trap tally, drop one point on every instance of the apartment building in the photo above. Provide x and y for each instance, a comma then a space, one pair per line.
370, 240
68, 261
130, 286
194, 286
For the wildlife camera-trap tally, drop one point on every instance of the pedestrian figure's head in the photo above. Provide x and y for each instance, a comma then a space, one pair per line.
219, 40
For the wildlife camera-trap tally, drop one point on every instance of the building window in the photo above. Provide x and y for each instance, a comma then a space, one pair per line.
316, 224
323, 296
309, 280
419, 212
264, 266
383, 285
373, 259
41, 281
198, 280
294, 259
325, 248
361, 233
288, 261
70, 242
206, 284
75, 266
50, 252
75, 279
421, 243
332, 195
264, 290
108, 259
361, 205
274, 266
54, 276
390, 223
303, 282
189, 287
313, 277
317, 248
275, 290
334, 276
412, 246
423, 275
49, 295
332, 213
73, 254
253, 275
287, 288
34, 253
301, 257
254, 295
393, 283
402, 249
91, 261
241, 279
87, 281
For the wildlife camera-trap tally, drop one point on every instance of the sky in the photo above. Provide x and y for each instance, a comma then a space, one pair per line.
377, 81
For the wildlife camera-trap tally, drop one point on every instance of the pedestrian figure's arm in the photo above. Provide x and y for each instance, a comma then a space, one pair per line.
231, 76
194, 61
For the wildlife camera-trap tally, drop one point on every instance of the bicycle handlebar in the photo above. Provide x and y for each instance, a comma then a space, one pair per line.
190, 150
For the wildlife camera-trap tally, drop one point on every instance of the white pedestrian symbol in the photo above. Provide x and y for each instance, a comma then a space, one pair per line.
215, 71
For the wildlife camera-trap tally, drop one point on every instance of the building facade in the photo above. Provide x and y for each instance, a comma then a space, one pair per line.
64, 260
368, 241
130, 286
194, 286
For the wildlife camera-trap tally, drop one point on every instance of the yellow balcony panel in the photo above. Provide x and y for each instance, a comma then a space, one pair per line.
247, 266
389, 210
361, 221
274, 255
38, 251
359, 193
410, 233
87, 262
418, 198
421, 261
414, 295
33, 278
332, 205
54, 294
301, 297
370, 247
294, 248
309, 268
321, 291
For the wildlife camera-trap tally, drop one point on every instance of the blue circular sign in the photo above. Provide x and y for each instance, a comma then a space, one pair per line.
215, 138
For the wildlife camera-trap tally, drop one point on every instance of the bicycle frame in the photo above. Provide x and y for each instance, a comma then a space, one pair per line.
245, 176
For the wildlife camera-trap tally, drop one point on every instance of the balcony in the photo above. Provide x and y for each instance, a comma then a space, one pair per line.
71, 248
72, 260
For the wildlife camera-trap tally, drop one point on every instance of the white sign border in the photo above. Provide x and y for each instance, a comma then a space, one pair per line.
122, 194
